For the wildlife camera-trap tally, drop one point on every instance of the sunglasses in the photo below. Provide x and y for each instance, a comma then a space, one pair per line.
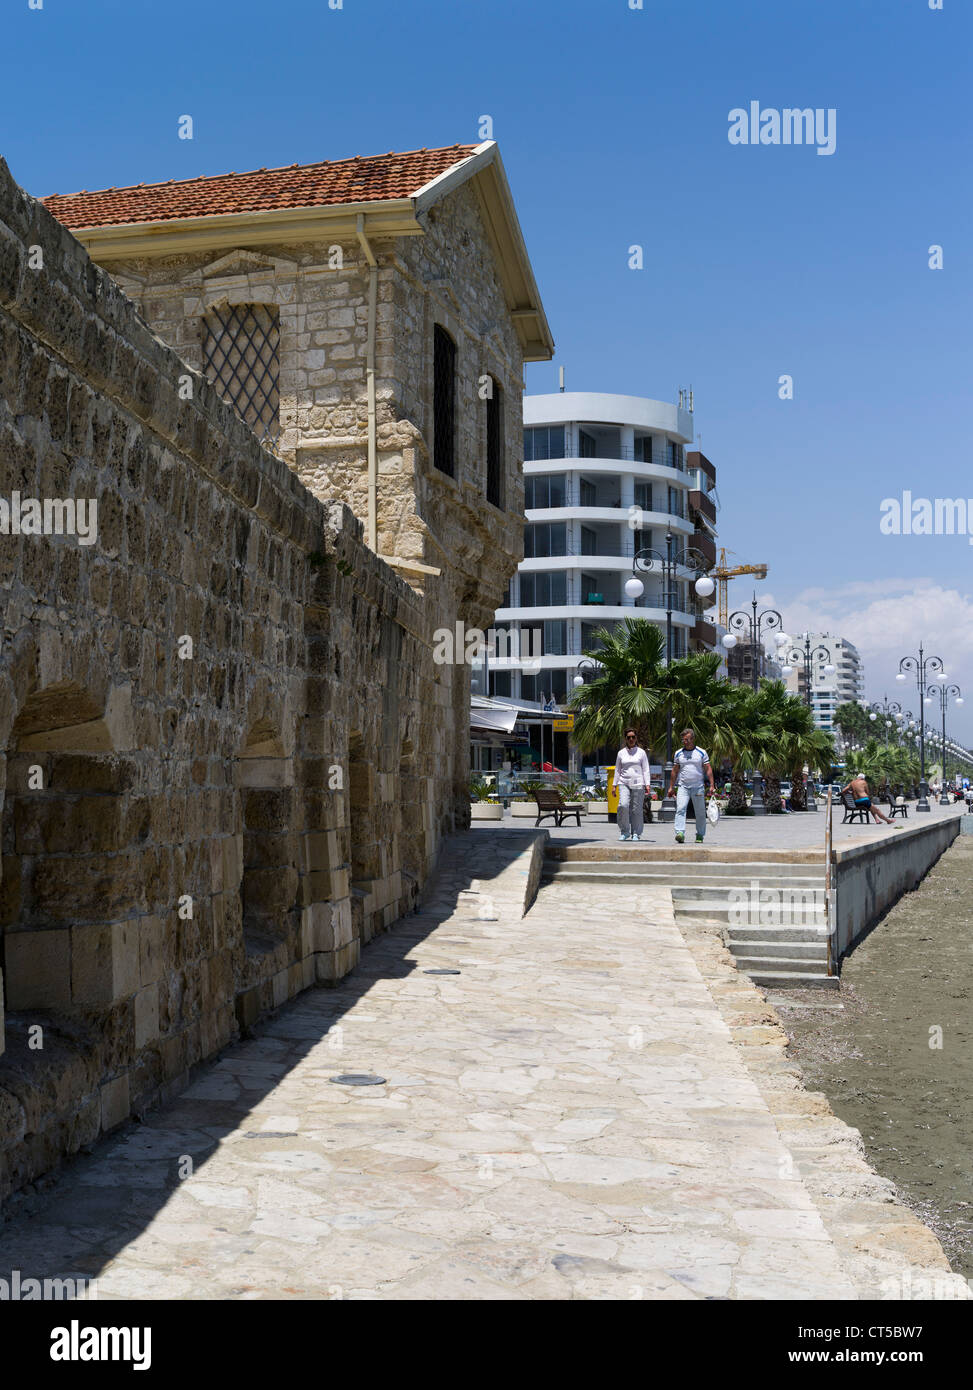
631, 735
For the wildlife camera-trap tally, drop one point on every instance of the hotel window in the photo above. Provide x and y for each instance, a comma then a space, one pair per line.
588, 493
241, 357
643, 496
589, 541
444, 401
543, 590
643, 449
555, 637
543, 539
544, 490
494, 441
500, 683
528, 688
543, 442
502, 643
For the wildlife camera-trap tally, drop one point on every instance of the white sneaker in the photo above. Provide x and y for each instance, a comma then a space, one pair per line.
637, 837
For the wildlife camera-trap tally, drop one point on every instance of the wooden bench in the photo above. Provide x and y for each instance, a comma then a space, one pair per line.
552, 803
852, 812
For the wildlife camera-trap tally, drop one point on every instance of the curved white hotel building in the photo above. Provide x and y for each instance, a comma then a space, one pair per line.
604, 476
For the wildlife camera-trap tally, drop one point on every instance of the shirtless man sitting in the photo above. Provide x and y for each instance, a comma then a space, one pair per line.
858, 786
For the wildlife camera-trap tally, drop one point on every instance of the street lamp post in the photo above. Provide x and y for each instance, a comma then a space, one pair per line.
918, 666
757, 623
807, 656
886, 707
668, 561
586, 667
945, 693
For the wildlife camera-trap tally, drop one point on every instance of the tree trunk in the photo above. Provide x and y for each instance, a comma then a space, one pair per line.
798, 789
736, 804
772, 793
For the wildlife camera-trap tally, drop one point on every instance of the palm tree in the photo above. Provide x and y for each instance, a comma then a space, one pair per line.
815, 747
747, 736
629, 688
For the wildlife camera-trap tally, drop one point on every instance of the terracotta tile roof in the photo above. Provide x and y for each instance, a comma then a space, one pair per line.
364, 179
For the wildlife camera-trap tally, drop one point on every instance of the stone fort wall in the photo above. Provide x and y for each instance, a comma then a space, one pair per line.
219, 723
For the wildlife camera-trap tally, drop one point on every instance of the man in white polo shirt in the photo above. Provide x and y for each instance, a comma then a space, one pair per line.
690, 766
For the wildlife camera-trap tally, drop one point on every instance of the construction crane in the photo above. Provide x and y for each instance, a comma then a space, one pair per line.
724, 573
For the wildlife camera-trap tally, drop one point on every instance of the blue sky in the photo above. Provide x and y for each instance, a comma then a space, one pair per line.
759, 261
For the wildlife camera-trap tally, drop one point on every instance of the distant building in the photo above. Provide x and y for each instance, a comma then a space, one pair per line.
828, 690
740, 662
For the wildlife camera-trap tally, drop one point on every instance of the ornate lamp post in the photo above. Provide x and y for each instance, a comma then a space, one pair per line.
586, 668
807, 656
918, 666
667, 562
945, 693
757, 623
886, 707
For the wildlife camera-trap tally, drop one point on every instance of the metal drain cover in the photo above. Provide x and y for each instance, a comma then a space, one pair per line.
357, 1078
442, 972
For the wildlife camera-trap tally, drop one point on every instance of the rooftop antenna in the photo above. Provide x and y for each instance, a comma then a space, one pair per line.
560, 377
690, 400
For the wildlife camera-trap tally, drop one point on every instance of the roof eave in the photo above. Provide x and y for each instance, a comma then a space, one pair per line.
388, 217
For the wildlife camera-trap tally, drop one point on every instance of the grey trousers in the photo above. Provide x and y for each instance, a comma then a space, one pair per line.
631, 809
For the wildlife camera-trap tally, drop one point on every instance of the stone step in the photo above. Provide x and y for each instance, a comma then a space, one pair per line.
587, 870
748, 932
794, 893
728, 912
815, 951
687, 880
770, 975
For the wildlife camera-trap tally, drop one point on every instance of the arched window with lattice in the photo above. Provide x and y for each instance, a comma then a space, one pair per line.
241, 357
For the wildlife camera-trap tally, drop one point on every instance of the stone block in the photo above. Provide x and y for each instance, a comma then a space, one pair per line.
146, 1016
105, 966
232, 862
316, 850
332, 966
247, 1008
115, 1102
38, 969
216, 865
151, 949
264, 772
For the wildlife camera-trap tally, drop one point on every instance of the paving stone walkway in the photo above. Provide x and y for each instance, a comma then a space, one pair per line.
573, 1115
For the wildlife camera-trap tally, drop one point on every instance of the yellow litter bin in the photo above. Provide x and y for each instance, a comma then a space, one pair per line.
612, 793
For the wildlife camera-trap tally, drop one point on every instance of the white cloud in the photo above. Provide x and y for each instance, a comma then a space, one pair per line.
887, 620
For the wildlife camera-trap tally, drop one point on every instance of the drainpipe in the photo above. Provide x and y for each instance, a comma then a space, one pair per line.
372, 527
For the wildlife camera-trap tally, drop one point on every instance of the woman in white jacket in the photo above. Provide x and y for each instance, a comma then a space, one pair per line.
633, 783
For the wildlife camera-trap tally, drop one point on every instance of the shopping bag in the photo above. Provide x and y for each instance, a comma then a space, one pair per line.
712, 811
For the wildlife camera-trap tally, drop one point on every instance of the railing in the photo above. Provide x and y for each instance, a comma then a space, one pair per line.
621, 452
571, 498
